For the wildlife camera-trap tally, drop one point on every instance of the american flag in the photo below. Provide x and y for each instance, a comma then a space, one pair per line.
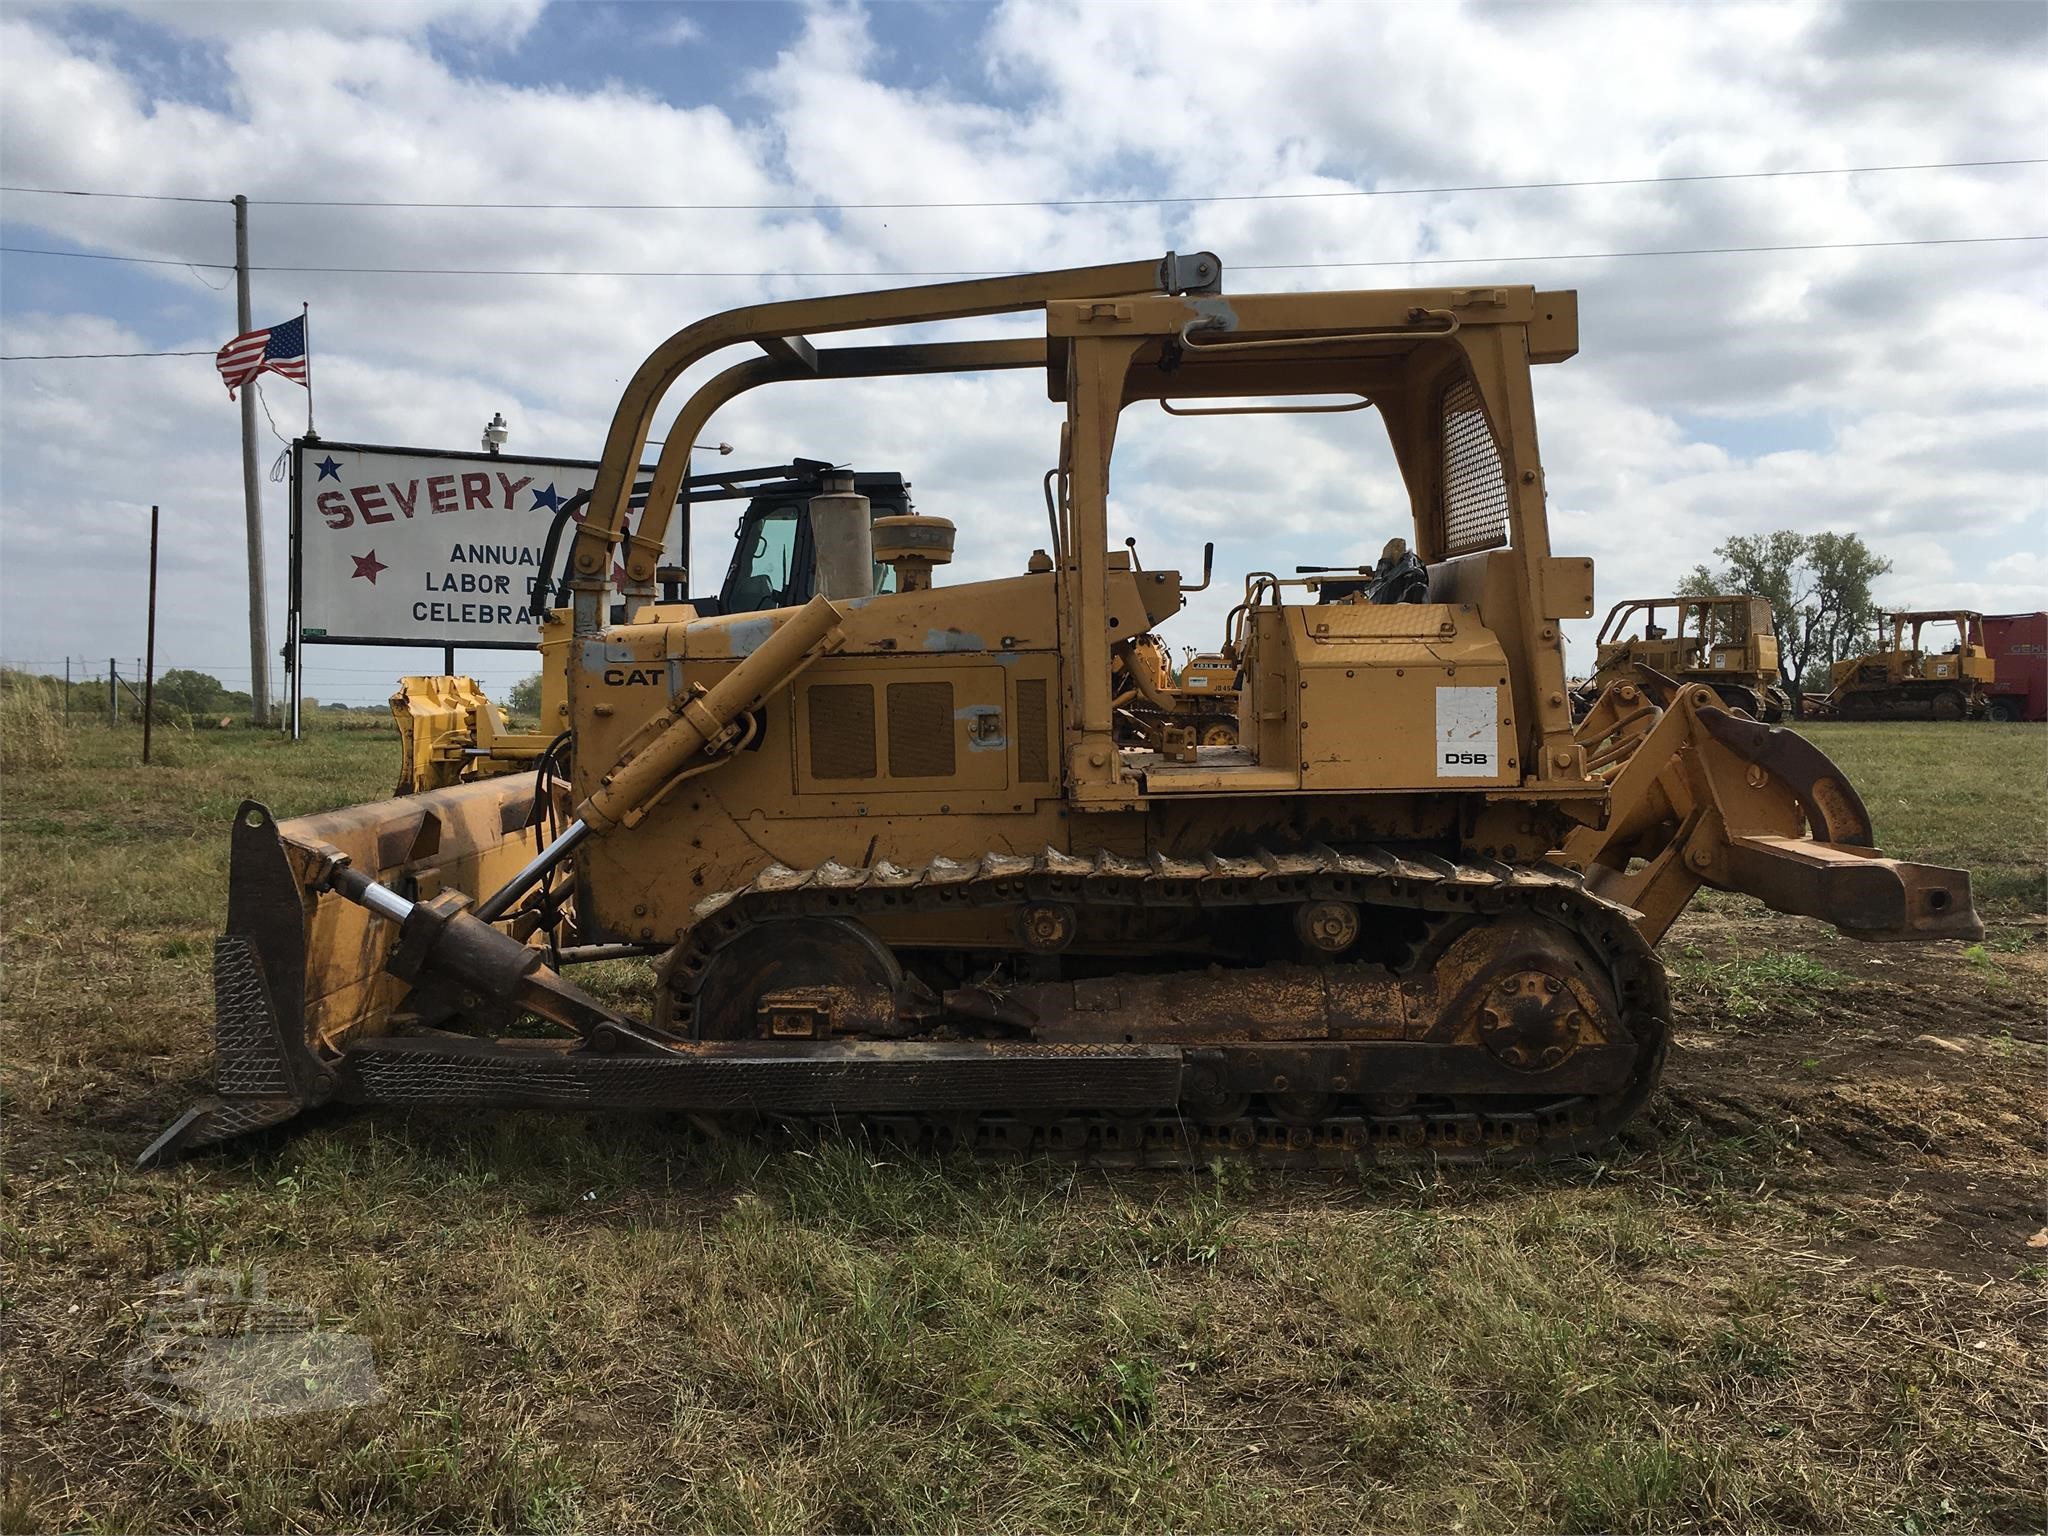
279, 349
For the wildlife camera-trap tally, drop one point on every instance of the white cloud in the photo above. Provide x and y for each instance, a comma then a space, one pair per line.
675, 31
476, 21
1907, 385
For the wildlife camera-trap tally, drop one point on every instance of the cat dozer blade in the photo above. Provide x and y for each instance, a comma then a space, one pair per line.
325, 983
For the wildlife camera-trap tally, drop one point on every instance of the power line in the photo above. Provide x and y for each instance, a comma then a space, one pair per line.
133, 197
49, 357
1279, 266
1079, 202
148, 261
1698, 250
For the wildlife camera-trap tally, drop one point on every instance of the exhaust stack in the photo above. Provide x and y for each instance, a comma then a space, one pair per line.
844, 542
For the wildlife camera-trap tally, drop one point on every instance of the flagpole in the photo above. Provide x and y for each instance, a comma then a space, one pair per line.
252, 490
306, 335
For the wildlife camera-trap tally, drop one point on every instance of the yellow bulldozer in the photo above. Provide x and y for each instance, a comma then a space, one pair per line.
1728, 644
1174, 716
449, 732
892, 871
1909, 677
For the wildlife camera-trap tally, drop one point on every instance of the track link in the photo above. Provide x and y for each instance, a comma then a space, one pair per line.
1349, 1126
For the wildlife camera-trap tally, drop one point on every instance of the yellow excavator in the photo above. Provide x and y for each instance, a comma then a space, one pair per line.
892, 870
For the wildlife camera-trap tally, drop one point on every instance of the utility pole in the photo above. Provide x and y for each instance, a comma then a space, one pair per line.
113, 694
149, 665
252, 493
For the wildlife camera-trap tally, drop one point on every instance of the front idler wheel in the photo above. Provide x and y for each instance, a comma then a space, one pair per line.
789, 978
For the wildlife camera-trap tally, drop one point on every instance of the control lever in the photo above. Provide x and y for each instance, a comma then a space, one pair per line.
1208, 563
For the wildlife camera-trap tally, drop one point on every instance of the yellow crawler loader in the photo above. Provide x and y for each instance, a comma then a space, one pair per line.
449, 732
893, 871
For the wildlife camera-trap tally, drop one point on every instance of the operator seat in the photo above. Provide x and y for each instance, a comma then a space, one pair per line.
750, 594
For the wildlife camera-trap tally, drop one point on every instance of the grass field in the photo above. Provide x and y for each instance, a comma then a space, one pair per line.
1800, 1295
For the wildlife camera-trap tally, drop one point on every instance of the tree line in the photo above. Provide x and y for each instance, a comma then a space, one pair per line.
182, 696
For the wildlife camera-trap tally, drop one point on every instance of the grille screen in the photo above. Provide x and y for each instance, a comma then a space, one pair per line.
1475, 489
1031, 754
842, 731
920, 730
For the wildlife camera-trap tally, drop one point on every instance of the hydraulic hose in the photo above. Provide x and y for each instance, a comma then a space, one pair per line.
547, 590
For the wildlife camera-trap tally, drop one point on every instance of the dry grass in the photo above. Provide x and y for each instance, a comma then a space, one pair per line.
1731, 1322
32, 734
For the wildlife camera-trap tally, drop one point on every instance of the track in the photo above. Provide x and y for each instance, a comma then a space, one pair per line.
1333, 1087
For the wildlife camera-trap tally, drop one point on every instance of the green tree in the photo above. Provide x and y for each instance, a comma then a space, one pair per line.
1818, 587
1699, 582
189, 693
1842, 611
524, 699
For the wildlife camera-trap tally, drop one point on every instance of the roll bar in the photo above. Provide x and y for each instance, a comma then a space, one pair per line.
781, 330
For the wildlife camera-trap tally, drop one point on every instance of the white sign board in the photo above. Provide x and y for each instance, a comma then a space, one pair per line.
414, 547
1467, 733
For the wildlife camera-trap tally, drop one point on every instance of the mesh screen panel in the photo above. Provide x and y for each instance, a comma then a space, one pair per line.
1475, 487
920, 730
842, 731
1032, 764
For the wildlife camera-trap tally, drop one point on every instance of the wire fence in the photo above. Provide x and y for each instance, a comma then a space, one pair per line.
354, 684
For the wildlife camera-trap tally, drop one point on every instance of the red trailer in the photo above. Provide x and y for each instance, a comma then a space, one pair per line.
2018, 643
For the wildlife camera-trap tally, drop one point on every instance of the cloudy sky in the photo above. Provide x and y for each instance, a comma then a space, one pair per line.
1893, 389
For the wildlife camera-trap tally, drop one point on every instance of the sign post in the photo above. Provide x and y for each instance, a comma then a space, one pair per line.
426, 547
410, 546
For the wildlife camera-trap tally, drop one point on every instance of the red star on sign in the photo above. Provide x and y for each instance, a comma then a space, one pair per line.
368, 565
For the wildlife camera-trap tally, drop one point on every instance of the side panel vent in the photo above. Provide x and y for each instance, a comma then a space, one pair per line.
1475, 487
1033, 766
920, 730
842, 730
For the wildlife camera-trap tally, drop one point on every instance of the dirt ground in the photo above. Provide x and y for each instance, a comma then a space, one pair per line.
1805, 1291
1905, 1088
